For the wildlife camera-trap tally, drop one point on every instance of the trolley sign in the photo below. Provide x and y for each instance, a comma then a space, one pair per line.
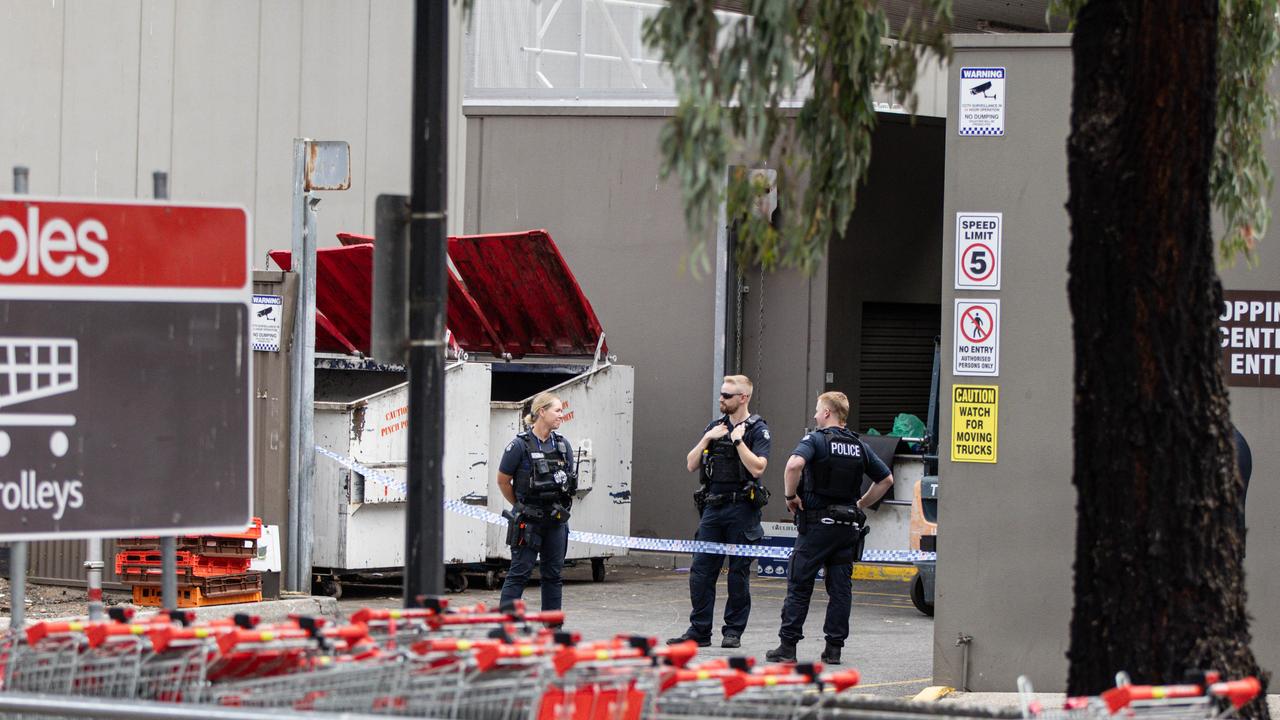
124, 368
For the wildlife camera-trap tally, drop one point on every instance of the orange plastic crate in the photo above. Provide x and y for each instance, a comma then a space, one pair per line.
190, 597
204, 566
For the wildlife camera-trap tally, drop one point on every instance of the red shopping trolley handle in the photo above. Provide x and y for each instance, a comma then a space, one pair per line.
101, 633
842, 680
374, 615
677, 655
488, 656
233, 640
49, 628
165, 637
741, 681
672, 678
1120, 697
567, 658
546, 617
1239, 692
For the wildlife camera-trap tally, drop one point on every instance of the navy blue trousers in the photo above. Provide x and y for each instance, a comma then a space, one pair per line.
547, 548
730, 523
832, 547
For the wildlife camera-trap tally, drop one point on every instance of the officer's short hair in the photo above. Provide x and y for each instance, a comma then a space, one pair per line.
742, 382
837, 403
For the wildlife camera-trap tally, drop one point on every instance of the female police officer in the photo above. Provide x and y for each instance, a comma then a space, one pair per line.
540, 460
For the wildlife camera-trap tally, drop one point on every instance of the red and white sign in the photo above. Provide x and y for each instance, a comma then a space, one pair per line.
978, 250
123, 250
125, 369
977, 338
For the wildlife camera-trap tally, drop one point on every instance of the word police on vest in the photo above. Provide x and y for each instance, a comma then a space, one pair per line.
846, 449
53, 246
29, 493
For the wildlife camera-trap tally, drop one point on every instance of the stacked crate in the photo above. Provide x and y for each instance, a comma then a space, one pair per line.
212, 569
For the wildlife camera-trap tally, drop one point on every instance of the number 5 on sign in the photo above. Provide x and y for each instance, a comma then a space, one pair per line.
978, 250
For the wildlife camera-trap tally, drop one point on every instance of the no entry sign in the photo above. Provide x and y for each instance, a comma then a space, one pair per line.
977, 338
124, 368
978, 250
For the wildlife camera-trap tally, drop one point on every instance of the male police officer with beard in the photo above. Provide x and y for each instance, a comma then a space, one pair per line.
731, 455
829, 520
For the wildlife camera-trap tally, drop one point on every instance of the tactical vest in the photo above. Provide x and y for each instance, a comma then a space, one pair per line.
837, 477
721, 467
548, 479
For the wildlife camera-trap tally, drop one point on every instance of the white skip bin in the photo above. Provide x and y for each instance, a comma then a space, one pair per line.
359, 522
598, 417
520, 325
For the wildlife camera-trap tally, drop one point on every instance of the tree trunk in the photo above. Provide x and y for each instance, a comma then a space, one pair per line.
1159, 581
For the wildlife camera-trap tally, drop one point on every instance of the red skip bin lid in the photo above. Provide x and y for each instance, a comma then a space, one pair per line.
512, 295
523, 287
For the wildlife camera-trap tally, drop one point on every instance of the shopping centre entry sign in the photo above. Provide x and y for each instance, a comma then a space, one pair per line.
124, 368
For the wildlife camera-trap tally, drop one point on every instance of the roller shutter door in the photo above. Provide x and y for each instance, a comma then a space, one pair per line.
897, 362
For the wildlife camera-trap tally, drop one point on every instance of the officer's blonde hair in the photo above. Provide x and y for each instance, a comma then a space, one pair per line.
837, 403
742, 382
540, 402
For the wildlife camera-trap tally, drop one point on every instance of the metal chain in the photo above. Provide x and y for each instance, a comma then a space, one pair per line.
760, 331
737, 325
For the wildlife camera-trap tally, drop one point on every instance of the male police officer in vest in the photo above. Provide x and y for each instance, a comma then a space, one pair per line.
730, 457
822, 482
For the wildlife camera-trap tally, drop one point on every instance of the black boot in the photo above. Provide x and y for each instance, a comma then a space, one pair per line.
831, 655
782, 653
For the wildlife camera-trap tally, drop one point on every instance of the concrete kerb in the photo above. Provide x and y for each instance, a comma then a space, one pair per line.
267, 611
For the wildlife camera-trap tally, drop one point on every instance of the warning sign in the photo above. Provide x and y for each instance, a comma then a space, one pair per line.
978, 251
982, 101
975, 411
977, 335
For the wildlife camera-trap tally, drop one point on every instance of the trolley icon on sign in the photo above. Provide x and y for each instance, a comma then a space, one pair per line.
31, 369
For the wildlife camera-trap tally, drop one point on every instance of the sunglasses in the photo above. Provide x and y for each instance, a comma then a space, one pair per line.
726, 396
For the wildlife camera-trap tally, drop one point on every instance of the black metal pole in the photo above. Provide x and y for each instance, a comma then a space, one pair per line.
424, 521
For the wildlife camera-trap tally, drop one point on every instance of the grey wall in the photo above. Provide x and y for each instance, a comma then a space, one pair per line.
890, 252
1006, 531
591, 178
214, 93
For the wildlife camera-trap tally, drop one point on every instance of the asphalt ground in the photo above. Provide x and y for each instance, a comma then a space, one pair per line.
890, 643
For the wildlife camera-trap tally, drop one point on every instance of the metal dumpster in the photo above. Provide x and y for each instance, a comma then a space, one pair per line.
521, 326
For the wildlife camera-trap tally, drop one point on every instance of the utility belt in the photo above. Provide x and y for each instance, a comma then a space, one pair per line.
704, 498
844, 515
522, 527
539, 510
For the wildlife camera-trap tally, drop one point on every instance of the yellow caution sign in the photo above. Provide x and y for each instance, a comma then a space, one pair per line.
975, 411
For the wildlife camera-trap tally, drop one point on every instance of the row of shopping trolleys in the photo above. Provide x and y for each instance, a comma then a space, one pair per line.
470, 662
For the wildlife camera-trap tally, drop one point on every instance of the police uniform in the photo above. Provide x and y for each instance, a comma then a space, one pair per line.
544, 483
729, 516
828, 529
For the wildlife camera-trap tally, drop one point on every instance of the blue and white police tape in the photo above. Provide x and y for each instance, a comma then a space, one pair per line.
620, 541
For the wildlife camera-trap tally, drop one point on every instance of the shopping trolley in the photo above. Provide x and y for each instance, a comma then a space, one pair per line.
31, 369
1208, 698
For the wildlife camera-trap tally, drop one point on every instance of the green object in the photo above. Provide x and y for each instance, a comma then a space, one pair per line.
908, 425
871, 431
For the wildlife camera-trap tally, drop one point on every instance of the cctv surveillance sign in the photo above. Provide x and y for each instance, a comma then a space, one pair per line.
124, 368
982, 101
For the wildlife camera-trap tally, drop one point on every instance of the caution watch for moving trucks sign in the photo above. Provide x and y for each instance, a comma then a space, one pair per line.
977, 337
124, 368
975, 415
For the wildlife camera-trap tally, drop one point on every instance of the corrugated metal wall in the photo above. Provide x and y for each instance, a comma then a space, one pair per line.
62, 561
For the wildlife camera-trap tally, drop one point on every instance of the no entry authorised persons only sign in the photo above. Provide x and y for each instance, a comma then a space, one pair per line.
977, 338
124, 368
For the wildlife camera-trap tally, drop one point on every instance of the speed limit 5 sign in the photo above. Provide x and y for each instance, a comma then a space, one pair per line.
978, 251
